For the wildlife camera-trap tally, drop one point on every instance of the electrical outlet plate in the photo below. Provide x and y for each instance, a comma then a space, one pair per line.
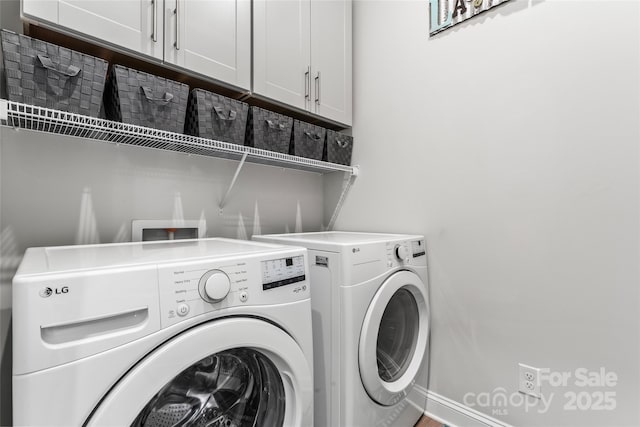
529, 380
138, 227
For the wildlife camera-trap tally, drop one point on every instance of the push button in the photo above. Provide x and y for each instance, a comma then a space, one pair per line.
244, 296
183, 309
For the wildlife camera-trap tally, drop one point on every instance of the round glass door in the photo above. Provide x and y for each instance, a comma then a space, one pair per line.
234, 388
397, 336
394, 337
234, 372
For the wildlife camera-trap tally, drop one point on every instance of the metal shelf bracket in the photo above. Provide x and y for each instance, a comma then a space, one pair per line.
233, 181
347, 182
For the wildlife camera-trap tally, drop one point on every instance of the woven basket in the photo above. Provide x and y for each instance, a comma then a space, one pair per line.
308, 140
47, 75
339, 148
216, 117
268, 130
142, 99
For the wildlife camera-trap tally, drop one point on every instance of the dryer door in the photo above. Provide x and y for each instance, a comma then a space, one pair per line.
232, 372
394, 337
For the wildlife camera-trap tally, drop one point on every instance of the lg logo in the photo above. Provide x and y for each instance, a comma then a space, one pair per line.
47, 292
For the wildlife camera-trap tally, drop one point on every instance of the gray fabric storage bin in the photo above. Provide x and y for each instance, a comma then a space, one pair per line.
46, 75
142, 99
268, 130
216, 117
339, 148
308, 140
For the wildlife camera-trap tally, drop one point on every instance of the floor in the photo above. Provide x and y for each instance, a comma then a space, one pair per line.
428, 422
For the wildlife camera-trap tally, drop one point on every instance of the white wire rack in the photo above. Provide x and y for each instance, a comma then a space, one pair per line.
24, 116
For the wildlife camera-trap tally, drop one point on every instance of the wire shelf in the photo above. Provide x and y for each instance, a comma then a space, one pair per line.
24, 116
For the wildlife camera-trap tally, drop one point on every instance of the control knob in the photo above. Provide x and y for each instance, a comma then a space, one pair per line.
401, 253
214, 286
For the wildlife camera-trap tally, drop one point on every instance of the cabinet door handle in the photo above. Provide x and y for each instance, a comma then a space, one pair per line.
307, 84
176, 11
318, 88
154, 34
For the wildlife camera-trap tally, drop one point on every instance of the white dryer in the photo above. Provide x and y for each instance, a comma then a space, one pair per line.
211, 332
370, 309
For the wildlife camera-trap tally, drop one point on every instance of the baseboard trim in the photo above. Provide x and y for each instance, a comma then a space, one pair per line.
455, 414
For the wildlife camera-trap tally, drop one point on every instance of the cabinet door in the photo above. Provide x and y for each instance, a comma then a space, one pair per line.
212, 38
133, 24
331, 59
281, 50
41, 9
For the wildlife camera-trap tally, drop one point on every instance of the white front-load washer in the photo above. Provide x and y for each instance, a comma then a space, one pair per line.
370, 310
211, 332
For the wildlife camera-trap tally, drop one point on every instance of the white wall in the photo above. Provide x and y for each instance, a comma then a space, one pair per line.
56, 190
511, 142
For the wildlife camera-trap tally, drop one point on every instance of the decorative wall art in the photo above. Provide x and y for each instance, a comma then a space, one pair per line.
447, 13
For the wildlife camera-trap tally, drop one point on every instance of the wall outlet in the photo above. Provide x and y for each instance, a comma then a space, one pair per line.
529, 380
154, 229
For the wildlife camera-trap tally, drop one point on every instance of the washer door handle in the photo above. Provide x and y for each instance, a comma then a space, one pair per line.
91, 327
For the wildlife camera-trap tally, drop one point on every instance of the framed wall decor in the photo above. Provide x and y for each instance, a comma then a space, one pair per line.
447, 13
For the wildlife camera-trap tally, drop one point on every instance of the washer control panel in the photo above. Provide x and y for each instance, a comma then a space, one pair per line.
194, 288
407, 252
282, 272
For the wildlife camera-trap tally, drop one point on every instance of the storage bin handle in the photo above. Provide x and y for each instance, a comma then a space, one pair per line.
315, 136
148, 93
70, 71
222, 116
274, 125
342, 143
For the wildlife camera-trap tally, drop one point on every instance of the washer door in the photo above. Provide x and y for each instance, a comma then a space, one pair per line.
394, 337
233, 372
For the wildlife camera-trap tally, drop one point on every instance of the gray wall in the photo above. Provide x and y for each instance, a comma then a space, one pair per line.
511, 142
9, 15
57, 190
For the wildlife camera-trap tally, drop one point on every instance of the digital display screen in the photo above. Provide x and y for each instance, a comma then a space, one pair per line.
418, 248
282, 272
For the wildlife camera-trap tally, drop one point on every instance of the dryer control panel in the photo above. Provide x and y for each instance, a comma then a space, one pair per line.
194, 288
406, 252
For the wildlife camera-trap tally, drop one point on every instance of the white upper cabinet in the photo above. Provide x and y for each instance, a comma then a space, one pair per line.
301, 48
210, 37
136, 25
42, 9
302, 55
331, 59
281, 50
